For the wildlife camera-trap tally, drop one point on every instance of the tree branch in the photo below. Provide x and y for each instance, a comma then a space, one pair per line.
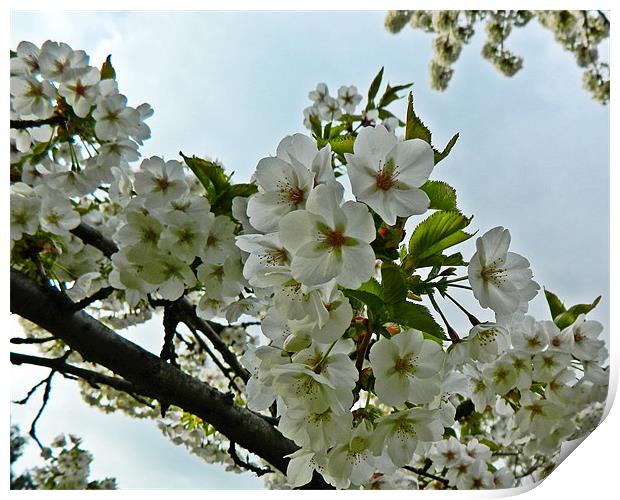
244, 464
23, 124
187, 311
148, 373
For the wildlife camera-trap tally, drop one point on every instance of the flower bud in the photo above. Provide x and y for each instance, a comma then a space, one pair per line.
295, 342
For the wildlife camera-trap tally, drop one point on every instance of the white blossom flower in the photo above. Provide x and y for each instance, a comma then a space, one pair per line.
315, 431
159, 182
546, 365
183, 235
283, 187
57, 214
352, 462
348, 98
405, 367
447, 453
387, 174
113, 118
169, 273
27, 60
219, 240
268, 262
501, 280
477, 477
487, 341
80, 89
56, 59
329, 109
329, 241
529, 335
32, 97
500, 376
401, 431
585, 334
320, 94
25, 210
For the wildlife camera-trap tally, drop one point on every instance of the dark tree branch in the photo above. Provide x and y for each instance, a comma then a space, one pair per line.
99, 295
186, 311
23, 124
244, 464
58, 364
422, 472
148, 373
19, 340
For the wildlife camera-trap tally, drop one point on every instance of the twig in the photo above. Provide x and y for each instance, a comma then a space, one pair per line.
100, 295
46, 397
451, 332
30, 393
19, 340
422, 472
23, 124
90, 376
171, 320
232, 451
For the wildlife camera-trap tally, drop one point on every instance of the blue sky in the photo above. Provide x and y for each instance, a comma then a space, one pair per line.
533, 156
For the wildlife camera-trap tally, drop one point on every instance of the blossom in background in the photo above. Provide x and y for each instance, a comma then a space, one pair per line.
387, 174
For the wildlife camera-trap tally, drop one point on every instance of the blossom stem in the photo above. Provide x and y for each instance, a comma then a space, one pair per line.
361, 353
472, 319
451, 332
462, 278
461, 286
324, 357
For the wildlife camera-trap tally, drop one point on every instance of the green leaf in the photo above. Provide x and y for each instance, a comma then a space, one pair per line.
334, 131
446, 151
341, 144
441, 194
567, 318
417, 316
372, 286
436, 233
374, 88
223, 201
315, 125
391, 94
415, 128
555, 304
13, 54
107, 70
374, 303
393, 283
210, 174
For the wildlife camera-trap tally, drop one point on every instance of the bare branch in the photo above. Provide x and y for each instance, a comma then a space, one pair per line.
46, 397
422, 472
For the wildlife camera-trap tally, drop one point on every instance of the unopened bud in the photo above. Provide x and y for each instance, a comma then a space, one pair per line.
391, 328
295, 342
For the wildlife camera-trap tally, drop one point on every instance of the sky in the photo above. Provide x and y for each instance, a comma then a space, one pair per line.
533, 156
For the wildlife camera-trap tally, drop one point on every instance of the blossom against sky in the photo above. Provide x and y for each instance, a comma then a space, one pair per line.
533, 154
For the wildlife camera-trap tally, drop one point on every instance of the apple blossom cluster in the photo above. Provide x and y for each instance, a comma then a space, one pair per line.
579, 31
337, 335
67, 468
